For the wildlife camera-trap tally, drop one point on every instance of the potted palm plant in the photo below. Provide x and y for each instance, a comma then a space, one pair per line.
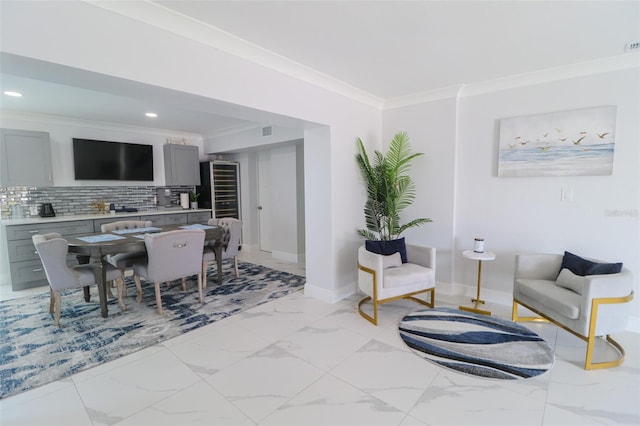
389, 191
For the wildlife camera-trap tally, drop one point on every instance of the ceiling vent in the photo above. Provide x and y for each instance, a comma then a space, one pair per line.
632, 47
267, 131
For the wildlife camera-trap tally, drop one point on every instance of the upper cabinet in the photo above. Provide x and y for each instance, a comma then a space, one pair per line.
25, 158
181, 164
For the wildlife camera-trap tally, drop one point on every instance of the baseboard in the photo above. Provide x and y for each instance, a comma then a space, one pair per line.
283, 255
326, 295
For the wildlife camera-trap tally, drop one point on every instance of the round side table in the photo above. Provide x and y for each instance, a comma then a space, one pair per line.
486, 256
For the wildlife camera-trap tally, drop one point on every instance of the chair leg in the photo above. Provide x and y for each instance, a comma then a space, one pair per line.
184, 284
372, 319
136, 278
204, 274
51, 300
120, 284
158, 298
235, 261
57, 308
200, 285
109, 292
123, 283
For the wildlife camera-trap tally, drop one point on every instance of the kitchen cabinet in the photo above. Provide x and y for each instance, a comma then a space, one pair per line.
25, 268
25, 158
97, 223
181, 164
199, 217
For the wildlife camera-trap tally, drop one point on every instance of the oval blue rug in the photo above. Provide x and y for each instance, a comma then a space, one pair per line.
476, 344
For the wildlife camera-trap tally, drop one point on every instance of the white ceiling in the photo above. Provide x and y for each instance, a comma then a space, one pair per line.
386, 49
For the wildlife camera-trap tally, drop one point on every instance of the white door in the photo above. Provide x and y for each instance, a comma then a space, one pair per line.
264, 200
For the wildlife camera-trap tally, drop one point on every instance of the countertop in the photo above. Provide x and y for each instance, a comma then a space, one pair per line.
123, 215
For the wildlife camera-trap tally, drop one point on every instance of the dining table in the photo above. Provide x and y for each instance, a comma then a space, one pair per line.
96, 247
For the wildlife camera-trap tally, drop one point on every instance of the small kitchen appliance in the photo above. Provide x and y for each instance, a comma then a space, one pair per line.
46, 210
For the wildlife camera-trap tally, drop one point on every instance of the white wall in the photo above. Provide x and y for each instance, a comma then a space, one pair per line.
432, 130
526, 214
333, 192
458, 186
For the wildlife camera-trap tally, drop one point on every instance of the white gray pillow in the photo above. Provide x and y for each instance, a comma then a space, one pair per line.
569, 280
391, 261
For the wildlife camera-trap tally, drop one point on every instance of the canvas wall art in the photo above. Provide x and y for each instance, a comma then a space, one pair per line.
565, 143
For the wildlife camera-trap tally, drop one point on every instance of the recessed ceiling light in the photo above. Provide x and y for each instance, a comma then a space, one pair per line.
151, 114
12, 93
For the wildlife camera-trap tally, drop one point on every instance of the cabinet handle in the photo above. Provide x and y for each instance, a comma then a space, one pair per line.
38, 270
34, 231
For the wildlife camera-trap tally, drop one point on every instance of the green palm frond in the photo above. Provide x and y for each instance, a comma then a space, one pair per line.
389, 189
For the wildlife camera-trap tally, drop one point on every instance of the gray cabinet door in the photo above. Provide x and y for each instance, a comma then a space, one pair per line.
199, 217
25, 158
181, 164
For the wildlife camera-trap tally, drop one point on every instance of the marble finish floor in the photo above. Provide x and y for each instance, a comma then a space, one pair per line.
300, 361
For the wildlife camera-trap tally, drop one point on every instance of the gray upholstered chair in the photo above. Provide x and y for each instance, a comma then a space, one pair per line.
53, 249
171, 255
230, 243
125, 261
586, 306
385, 278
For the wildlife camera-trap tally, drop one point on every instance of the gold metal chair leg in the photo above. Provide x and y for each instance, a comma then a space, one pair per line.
591, 339
372, 319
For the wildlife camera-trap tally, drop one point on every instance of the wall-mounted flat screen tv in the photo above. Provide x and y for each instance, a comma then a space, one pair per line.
104, 160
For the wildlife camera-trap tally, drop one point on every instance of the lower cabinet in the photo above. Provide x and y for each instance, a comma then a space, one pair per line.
97, 223
24, 266
24, 263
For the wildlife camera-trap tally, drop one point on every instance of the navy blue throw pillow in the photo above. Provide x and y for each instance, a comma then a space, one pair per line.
387, 247
582, 267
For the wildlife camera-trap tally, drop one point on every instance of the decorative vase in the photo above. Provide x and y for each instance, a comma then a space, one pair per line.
194, 205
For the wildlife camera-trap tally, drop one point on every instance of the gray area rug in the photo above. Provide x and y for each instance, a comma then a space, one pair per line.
475, 344
34, 352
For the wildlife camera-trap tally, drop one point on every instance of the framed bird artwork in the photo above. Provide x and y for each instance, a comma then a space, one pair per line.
565, 143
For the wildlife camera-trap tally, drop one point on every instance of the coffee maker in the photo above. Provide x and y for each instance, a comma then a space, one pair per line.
164, 197
46, 210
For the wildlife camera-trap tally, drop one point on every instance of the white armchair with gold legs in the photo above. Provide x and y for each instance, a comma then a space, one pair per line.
385, 278
588, 307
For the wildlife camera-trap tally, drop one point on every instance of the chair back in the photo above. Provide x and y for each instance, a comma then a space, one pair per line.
52, 249
174, 254
232, 231
125, 224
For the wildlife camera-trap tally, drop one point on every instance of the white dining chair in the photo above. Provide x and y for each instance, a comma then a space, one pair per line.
125, 261
53, 249
232, 230
171, 255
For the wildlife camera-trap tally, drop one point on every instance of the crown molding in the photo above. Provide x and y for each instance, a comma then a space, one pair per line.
190, 28
581, 69
422, 97
169, 20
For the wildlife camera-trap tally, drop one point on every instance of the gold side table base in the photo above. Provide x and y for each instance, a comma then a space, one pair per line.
474, 309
